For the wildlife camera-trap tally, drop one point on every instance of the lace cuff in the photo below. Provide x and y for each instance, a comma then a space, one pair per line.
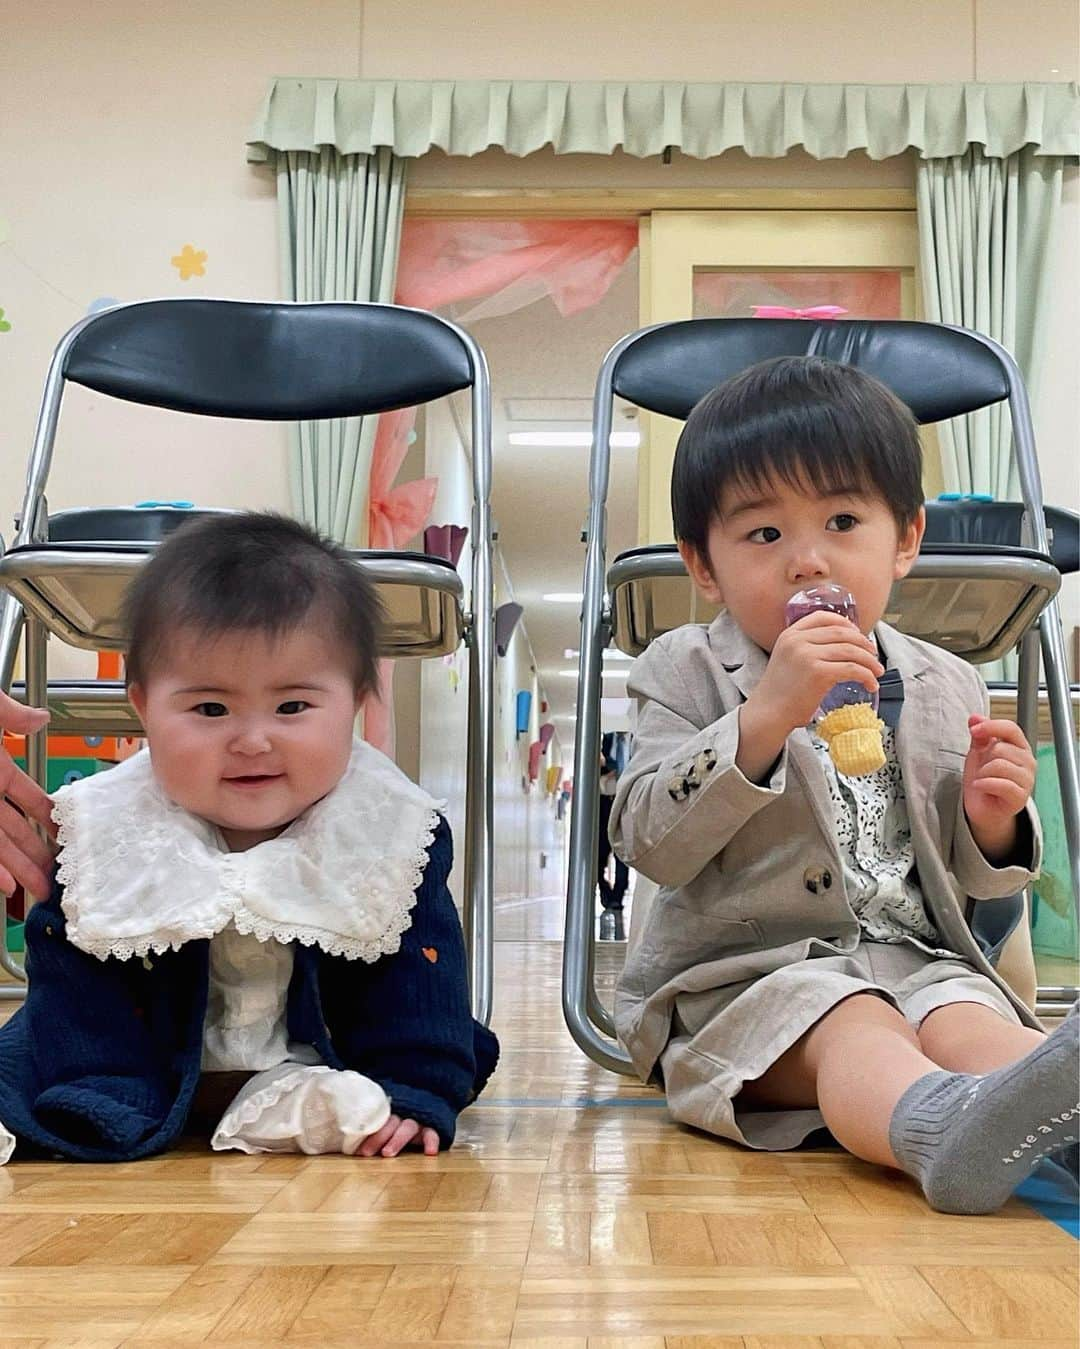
313, 1110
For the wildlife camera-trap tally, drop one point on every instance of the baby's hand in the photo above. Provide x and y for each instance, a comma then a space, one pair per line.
999, 774
397, 1134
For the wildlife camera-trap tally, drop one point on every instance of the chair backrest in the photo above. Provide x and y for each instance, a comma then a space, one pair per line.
938, 372
270, 361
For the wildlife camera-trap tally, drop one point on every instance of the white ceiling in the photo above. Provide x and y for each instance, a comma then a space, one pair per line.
543, 371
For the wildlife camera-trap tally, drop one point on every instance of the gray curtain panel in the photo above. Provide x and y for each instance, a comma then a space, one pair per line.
339, 226
986, 232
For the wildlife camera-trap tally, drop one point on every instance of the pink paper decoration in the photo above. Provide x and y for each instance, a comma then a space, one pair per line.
396, 514
546, 732
783, 311
507, 264
535, 752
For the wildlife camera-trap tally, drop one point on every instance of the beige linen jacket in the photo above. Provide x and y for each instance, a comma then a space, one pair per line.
751, 875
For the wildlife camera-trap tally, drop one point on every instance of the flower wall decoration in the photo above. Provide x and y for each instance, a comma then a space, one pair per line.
190, 262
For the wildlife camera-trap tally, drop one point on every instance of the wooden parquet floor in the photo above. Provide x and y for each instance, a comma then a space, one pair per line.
571, 1214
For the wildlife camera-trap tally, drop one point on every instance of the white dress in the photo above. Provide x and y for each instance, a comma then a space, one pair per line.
142, 876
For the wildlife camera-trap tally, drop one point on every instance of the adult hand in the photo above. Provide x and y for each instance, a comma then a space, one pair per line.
25, 858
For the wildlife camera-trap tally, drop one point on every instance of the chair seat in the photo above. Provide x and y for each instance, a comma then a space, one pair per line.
75, 588
87, 707
976, 601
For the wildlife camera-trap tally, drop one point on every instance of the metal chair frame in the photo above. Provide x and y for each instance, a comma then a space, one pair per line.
89, 707
589, 1022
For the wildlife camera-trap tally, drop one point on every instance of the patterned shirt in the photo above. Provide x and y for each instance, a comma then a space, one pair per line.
871, 817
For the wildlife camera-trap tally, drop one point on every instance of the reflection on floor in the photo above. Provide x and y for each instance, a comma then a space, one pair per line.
539, 918
572, 1214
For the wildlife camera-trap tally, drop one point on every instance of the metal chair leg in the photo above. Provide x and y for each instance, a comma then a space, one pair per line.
17, 991
1027, 687
581, 1006
37, 695
11, 624
1065, 747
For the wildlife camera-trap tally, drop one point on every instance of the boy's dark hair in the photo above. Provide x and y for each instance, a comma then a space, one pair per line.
256, 572
804, 420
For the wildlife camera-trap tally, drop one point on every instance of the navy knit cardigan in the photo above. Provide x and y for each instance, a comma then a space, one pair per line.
102, 1060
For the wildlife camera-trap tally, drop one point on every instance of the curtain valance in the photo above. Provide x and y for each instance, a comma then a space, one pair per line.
829, 121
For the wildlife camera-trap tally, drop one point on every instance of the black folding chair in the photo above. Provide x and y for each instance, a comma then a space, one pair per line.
65, 574
984, 583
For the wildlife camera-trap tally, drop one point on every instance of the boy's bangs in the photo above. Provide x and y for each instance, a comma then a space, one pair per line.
835, 471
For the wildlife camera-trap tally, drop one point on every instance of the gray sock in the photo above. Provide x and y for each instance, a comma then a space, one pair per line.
970, 1140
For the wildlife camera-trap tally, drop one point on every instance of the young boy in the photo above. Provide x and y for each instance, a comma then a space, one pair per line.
808, 960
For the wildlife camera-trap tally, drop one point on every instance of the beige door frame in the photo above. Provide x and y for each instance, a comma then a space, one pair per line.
675, 244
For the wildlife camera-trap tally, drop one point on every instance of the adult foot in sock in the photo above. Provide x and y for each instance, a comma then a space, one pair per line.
971, 1140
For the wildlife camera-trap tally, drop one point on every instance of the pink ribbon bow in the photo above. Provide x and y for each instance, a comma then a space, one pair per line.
781, 311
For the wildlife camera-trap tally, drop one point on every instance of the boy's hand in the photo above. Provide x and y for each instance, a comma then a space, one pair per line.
397, 1134
811, 656
999, 774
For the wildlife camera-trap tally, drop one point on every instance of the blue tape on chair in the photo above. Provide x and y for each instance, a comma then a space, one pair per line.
964, 496
157, 505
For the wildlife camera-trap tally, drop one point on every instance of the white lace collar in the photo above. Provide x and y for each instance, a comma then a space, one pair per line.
141, 874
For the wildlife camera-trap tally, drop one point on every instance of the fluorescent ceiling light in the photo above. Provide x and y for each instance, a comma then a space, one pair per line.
608, 674
553, 440
610, 653
563, 597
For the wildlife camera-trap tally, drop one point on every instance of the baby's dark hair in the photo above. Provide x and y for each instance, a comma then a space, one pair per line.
805, 420
251, 571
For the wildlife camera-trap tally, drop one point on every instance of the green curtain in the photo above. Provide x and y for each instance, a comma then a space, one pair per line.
339, 226
643, 118
986, 230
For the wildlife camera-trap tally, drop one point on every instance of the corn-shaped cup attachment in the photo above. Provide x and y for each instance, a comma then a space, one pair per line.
853, 735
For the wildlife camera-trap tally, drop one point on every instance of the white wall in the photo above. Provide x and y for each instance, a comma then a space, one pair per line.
123, 139
881, 41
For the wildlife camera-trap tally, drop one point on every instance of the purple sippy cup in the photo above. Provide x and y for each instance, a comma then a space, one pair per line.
838, 601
